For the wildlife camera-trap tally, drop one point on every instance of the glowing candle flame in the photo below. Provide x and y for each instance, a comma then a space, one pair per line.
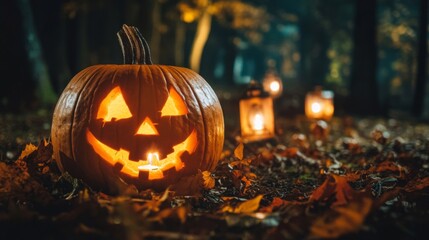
153, 159
274, 86
316, 107
258, 122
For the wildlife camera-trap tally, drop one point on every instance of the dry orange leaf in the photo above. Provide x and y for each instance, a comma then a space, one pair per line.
208, 180
238, 152
393, 167
179, 212
153, 205
334, 185
341, 220
248, 206
29, 149
417, 184
290, 152
278, 203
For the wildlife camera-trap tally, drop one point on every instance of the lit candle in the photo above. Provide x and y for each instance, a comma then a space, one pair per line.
258, 122
153, 160
315, 107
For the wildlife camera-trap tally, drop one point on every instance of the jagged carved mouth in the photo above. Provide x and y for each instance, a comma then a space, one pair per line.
152, 164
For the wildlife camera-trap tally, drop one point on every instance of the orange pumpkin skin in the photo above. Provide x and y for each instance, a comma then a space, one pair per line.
109, 150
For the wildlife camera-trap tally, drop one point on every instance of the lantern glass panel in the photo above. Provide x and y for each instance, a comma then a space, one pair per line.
319, 104
256, 118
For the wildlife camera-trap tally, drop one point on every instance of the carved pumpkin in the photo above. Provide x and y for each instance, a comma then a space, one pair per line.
136, 123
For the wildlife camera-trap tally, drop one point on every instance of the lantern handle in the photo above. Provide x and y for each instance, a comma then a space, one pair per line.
135, 49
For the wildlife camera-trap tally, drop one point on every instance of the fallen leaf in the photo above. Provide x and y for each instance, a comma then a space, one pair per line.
44, 152
179, 213
290, 152
238, 152
29, 148
156, 201
392, 167
240, 163
248, 206
417, 184
279, 203
246, 182
341, 220
208, 180
334, 186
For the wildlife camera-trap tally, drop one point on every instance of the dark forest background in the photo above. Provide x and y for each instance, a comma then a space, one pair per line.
371, 53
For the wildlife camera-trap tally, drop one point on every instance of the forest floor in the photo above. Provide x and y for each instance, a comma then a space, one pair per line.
357, 178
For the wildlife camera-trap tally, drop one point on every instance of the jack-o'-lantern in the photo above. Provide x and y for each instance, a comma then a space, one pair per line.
137, 123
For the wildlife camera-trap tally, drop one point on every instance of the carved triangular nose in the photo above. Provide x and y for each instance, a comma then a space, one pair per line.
147, 128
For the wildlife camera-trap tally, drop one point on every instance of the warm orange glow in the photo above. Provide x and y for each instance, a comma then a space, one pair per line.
256, 119
152, 164
319, 105
147, 128
153, 158
174, 106
315, 107
113, 106
258, 122
274, 86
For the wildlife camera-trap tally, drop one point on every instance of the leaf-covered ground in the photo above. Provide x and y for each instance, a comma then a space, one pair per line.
350, 178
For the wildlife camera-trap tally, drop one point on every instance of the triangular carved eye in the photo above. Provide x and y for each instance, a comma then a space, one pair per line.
113, 106
174, 106
147, 128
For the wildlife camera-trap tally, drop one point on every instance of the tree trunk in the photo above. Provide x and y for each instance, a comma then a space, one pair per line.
39, 68
201, 36
420, 87
363, 86
155, 40
179, 44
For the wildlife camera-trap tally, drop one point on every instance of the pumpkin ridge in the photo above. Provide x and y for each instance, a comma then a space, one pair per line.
70, 137
169, 70
167, 81
200, 108
208, 92
99, 163
98, 74
87, 78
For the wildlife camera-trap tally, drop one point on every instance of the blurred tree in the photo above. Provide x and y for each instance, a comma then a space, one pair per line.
363, 86
49, 21
314, 42
17, 86
397, 56
420, 87
233, 15
39, 68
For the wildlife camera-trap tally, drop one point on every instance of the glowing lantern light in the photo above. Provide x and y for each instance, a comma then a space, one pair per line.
256, 114
319, 104
273, 84
315, 107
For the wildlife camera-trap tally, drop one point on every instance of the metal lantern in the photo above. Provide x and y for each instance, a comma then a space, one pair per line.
256, 114
319, 104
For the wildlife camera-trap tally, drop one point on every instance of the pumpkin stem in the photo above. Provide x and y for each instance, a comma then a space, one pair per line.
135, 49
